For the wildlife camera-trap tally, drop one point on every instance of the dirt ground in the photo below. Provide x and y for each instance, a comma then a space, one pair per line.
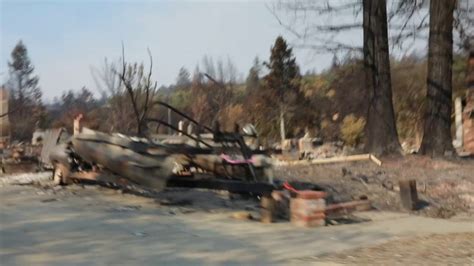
91, 225
87, 224
436, 249
445, 186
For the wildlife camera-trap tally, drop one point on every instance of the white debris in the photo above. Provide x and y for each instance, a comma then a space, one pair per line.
23, 179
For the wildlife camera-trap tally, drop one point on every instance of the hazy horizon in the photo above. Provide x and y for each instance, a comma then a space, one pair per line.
66, 39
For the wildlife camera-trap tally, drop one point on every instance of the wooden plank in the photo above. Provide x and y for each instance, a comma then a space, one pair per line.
259, 188
97, 176
348, 207
350, 158
375, 160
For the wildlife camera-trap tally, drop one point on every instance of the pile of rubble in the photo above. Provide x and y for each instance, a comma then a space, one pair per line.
19, 157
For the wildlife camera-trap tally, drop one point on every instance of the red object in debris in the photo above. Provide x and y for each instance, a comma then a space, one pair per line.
305, 194
289, 187
308, 212
307, 207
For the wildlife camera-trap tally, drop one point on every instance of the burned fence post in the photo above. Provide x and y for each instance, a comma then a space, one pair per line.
189, 129
458, 142
77, 128
408, 194
180, 127
170, 122
267, 211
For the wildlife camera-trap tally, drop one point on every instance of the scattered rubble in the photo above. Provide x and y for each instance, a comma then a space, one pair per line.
442, 185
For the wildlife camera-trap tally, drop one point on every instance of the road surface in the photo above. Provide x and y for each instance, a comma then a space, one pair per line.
98, 226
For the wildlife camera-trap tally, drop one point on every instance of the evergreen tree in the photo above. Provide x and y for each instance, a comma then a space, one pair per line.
283, 82
335, 62
197, 76
253, 78
25, 94
183, 80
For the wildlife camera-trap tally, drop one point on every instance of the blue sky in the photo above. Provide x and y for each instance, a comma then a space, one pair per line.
66, 39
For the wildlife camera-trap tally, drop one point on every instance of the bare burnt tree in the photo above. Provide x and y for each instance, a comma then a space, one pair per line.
212, 88
463, 24
437, 127
140, 89
408, 21
313, 25
130, 93
381, 130
120, 116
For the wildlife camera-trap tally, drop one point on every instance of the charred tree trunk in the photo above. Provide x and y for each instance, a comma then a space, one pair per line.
437, 127
381, 131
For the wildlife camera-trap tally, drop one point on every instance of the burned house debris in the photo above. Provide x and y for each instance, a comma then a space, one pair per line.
230, 161
154, 160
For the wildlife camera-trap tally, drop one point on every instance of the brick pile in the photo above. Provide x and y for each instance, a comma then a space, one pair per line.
307, 208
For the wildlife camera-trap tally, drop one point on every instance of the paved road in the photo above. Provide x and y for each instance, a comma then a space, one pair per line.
101, 227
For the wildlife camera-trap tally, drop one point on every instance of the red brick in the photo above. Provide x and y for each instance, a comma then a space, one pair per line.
310, 194
309, 221
307, 207
314, 216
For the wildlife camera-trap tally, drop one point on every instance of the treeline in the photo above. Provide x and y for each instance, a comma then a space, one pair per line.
274, 96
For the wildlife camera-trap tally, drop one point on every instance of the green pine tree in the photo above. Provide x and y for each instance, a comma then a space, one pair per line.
184, 78
253, 78
25, 94
283, 82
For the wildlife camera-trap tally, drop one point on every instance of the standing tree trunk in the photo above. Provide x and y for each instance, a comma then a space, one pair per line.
282, 127
437, 128
170, 131
381, 131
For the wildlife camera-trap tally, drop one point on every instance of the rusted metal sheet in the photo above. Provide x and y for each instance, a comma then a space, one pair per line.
51, 139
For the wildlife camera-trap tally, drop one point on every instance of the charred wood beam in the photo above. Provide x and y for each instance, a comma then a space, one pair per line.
159, 121
259, 188
183, 115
